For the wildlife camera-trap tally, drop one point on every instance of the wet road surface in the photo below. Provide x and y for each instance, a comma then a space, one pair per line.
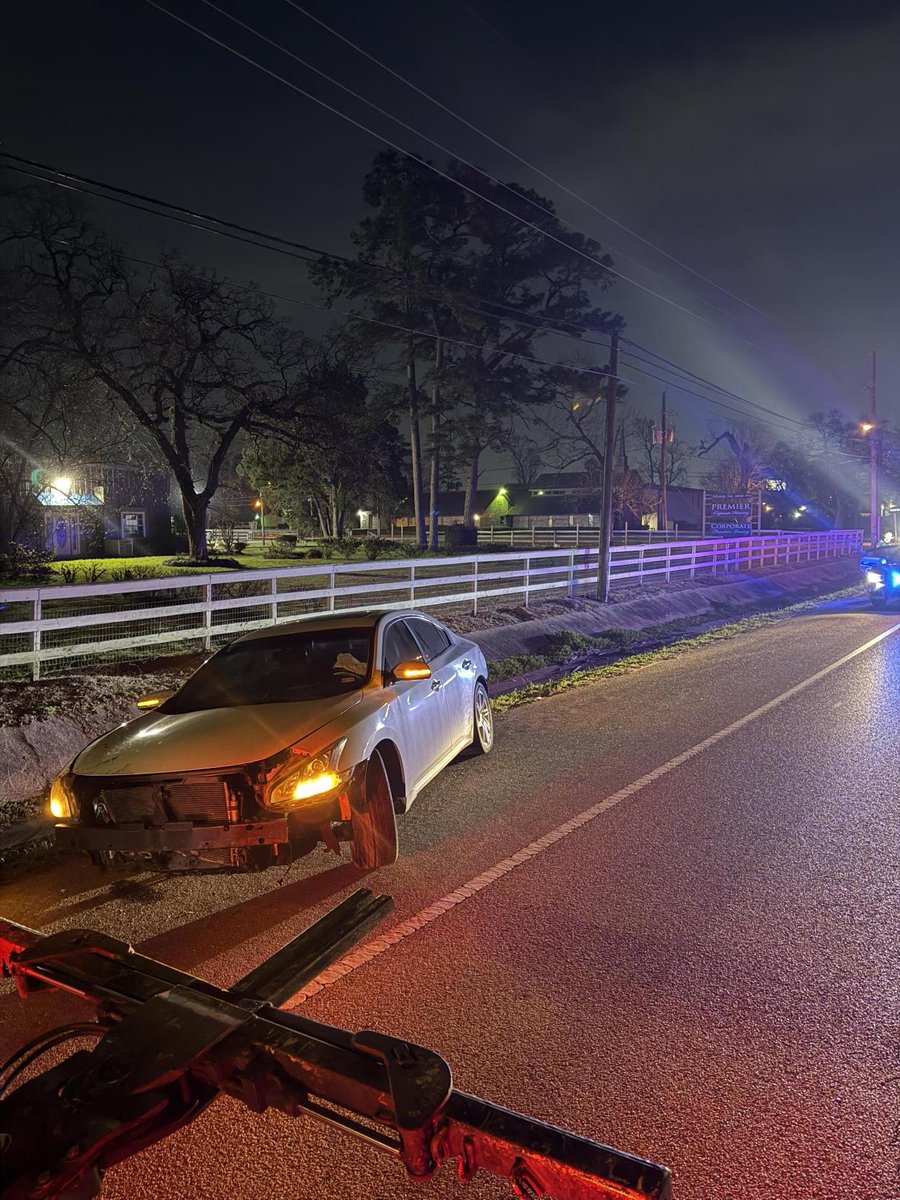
702, 971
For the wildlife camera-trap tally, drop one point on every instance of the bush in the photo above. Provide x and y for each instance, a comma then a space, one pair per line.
281, 555
375, 547
85, 573
315, 552
25, 562
412, 550
344, 547
226, 539
238, 547
214, 562
566, 644
622, 637
516, 664
125, 574
287, 541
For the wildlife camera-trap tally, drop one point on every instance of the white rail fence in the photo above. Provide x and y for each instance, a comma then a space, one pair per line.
579, 535
549, 536
49, 630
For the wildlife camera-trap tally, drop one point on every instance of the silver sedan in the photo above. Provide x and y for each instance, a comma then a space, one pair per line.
318, 730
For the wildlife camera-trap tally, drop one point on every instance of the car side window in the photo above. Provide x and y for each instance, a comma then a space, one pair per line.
399, 646
433, 639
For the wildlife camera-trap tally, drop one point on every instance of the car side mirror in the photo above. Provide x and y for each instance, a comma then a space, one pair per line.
154, 699
412, 668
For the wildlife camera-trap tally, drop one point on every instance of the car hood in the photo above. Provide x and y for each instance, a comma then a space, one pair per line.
162, 743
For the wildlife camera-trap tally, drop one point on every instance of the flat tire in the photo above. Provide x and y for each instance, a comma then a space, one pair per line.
372, 818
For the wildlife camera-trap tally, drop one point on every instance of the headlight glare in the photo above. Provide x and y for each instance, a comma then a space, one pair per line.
874, 577
63, 805
305, 776
318, 785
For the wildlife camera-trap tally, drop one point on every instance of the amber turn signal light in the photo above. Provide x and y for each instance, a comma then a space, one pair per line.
414, 669
153, 700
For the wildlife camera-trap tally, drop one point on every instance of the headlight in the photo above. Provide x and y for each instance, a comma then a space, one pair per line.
306, 776
874, 577
63, 804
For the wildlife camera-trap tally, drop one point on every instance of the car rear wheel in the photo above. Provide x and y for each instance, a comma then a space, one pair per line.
483, 725
372, 818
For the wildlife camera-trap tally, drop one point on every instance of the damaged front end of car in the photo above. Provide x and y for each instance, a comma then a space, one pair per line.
249, 818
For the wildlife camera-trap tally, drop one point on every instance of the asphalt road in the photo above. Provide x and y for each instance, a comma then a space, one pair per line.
703, 972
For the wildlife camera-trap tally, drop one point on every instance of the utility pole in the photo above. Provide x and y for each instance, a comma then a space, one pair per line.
663, 496
606, 513
874, 446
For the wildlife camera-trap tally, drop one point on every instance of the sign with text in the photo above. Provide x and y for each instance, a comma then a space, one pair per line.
731, 515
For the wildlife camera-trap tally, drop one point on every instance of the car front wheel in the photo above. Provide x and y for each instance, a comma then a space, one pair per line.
373, 820
483, 731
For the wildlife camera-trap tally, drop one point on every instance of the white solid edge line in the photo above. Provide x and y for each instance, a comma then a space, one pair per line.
378, 945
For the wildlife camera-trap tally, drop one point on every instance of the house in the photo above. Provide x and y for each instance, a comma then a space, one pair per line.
568, 498
108, 509
568, 483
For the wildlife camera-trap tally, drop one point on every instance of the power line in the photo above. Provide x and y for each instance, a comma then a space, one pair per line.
192, 215
430, 166
668, 363
440, 146
524, 161
432, 336
71, 181
74, 187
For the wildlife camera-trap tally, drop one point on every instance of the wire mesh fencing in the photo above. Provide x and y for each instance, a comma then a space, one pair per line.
63, 628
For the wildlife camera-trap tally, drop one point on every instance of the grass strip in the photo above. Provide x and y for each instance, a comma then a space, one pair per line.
633, 662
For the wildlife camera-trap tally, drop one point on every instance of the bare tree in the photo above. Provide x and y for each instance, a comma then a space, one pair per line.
746, 464
528, 458
678, 453
189, 358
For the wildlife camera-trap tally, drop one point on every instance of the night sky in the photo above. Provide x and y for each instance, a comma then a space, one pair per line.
760, 147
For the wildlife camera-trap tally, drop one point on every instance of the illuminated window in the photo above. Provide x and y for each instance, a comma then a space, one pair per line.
132, 524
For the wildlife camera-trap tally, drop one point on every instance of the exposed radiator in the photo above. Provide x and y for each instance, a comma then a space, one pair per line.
129, 804
196, 801
176, 801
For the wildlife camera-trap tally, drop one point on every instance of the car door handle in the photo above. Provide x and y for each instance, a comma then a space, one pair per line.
467, 664
436, 685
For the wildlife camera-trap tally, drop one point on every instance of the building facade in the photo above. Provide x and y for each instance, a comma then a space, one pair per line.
109, 510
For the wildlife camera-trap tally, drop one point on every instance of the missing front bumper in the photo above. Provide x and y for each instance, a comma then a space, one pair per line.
176, 836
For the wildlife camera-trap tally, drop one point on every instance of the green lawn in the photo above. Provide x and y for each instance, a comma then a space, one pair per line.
154, 566
105, 570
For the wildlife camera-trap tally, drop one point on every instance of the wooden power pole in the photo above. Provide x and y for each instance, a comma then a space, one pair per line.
606, 512
663, 496
874, 446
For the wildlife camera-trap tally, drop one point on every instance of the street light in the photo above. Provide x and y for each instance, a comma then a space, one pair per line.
261, 509
869, 427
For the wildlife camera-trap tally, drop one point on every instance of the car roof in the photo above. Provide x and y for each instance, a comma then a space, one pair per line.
366, 618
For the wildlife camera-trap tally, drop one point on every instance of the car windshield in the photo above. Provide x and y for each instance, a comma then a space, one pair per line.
285, 667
